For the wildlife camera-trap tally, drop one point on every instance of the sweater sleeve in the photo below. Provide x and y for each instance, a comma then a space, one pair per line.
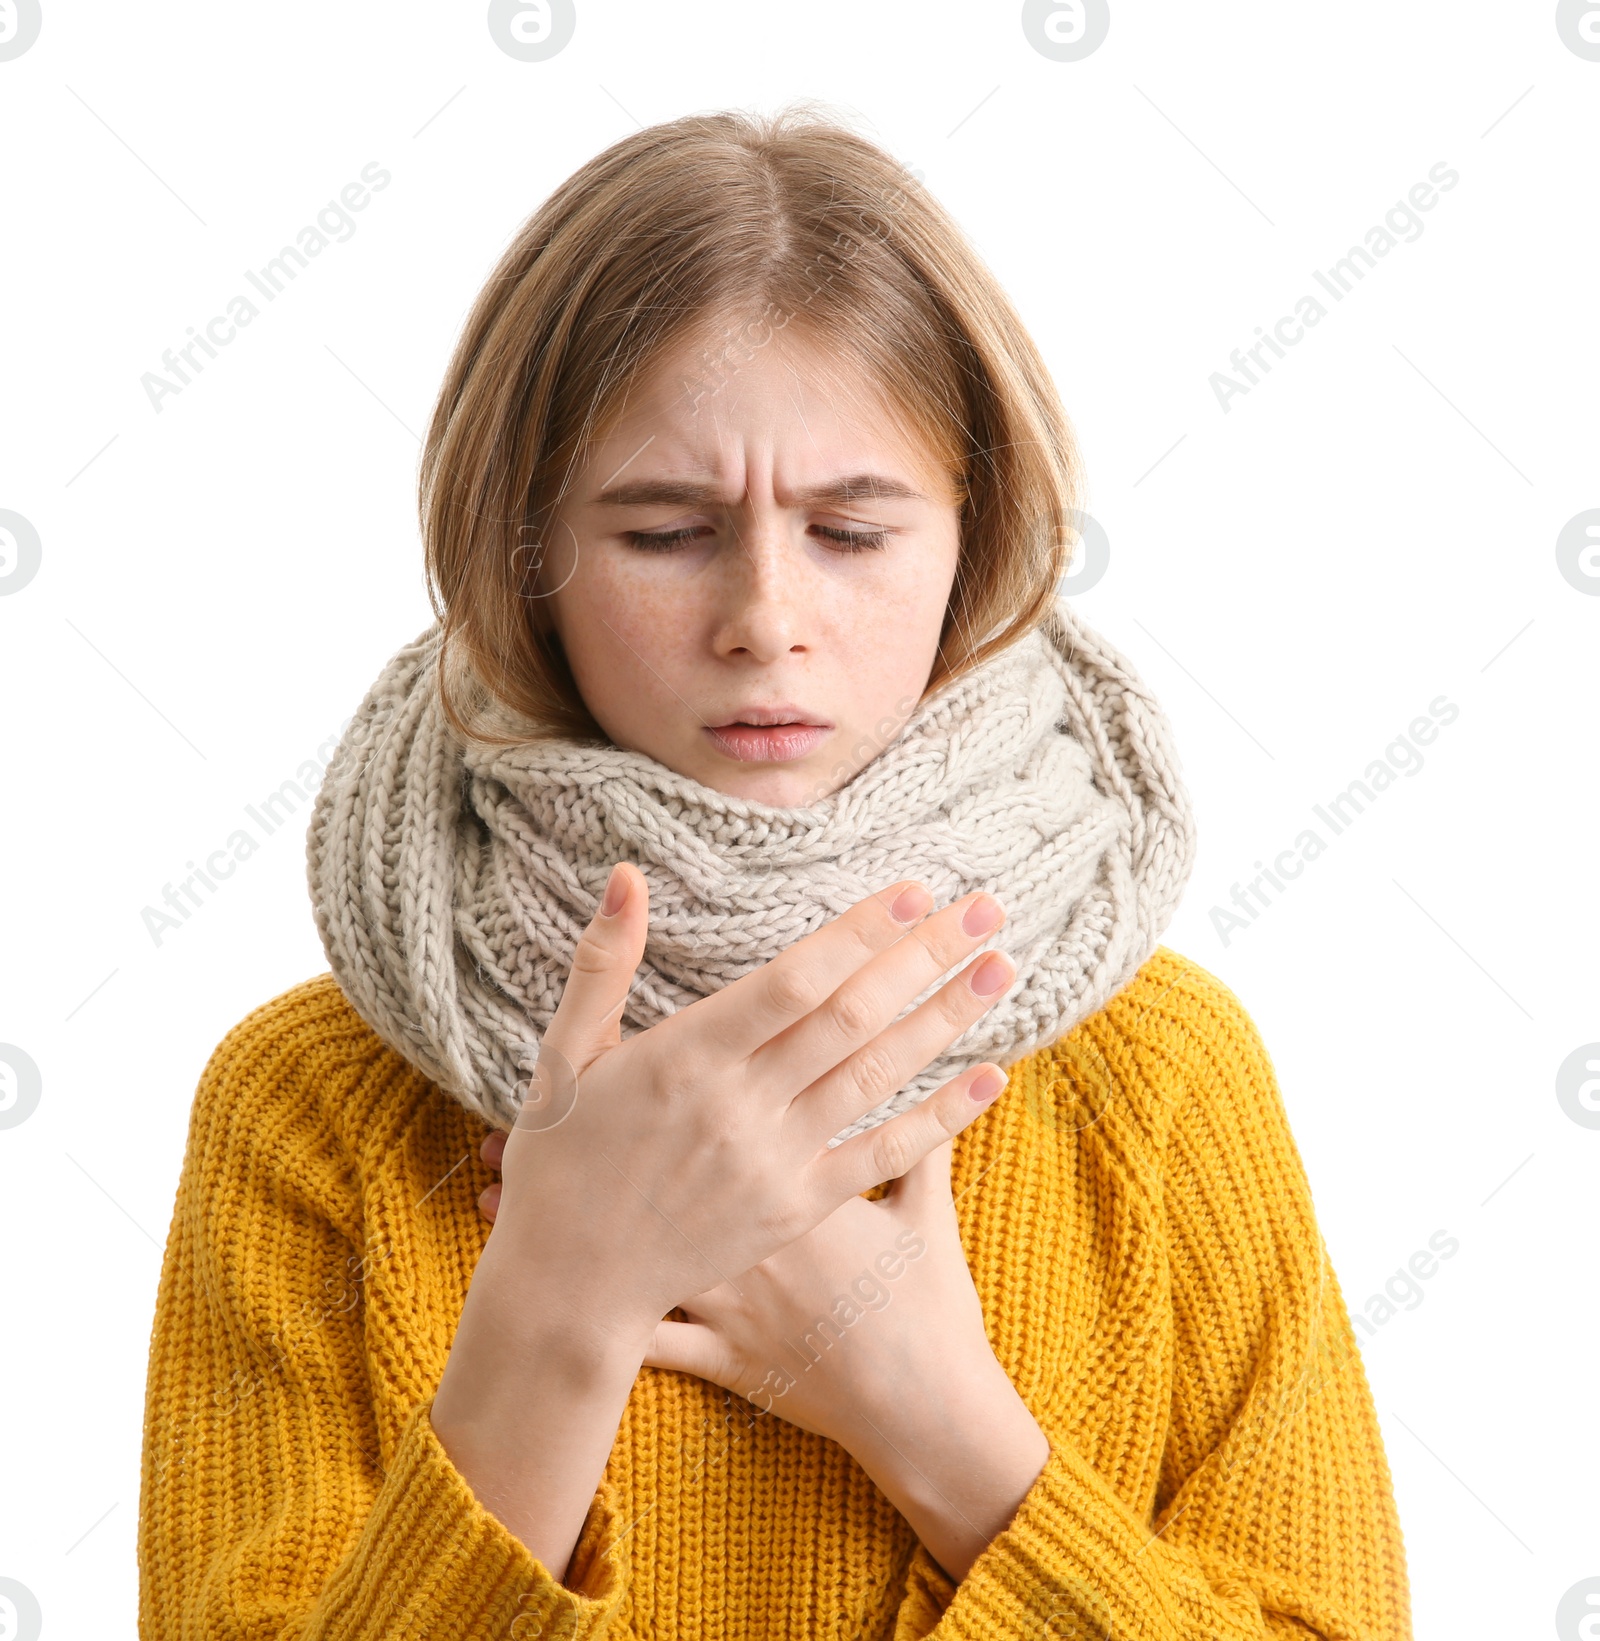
1274, 1514
271, 1504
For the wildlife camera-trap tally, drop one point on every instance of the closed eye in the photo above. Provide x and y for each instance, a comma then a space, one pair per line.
657, 541
855, 541
664, 541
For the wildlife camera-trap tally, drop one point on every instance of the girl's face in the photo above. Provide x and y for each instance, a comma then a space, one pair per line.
749, 577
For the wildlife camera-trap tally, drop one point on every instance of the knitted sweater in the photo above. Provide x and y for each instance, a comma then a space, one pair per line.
1139, 1227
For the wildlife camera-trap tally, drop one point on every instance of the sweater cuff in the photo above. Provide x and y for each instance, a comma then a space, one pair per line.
1076, 1560
433, 1561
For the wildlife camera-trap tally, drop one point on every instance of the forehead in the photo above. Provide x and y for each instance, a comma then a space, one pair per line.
744, 394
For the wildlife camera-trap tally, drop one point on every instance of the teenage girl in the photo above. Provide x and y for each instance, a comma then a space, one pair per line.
760, 871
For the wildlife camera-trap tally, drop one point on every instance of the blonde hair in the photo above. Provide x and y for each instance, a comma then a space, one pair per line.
670, 234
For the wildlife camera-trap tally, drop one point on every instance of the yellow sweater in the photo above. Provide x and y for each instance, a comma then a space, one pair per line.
1138, 1223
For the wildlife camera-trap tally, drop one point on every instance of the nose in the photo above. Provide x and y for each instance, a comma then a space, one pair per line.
764, 601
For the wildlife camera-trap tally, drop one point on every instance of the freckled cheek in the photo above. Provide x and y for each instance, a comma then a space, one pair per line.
892, 618
629, 626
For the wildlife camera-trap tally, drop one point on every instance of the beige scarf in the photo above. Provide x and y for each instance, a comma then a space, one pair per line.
451, 880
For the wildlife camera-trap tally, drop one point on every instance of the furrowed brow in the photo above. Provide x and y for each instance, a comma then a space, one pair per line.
861, 487
647, 492
699, 492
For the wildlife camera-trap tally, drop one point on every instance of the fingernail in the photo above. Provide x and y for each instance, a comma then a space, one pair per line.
616, 892
910, 904
991, 975
983, 915
986, 1084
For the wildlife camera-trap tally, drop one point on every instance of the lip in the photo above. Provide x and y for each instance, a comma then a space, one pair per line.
778, 734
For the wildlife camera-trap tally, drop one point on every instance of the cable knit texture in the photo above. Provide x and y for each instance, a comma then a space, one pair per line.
451, 881
1140, 1231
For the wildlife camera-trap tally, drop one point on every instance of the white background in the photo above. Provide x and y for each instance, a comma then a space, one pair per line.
1297, 577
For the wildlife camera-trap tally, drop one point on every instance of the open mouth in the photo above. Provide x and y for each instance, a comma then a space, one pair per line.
769, 735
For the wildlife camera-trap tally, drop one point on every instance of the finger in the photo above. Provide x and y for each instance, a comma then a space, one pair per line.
687, 1347
926, 1183
489, 1201
884, 1065
870, 998
892, 1148
588, 1017
493, 1149
762, 1003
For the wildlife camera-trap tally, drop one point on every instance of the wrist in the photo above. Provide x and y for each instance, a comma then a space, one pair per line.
520, 1350
527, 1413
580, 1317
965, 1409
956, 1457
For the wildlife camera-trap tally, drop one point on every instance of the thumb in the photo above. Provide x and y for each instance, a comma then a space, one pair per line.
588, 1018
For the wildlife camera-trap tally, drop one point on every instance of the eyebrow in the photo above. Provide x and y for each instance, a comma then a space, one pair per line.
695, 492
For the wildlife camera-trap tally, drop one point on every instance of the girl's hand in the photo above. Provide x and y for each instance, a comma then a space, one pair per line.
642, 1173
829, 1331
868, 1330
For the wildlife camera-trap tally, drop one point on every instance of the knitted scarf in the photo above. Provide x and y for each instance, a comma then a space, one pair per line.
451, 879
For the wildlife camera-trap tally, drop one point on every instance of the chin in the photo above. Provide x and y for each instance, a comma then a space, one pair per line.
779, 787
